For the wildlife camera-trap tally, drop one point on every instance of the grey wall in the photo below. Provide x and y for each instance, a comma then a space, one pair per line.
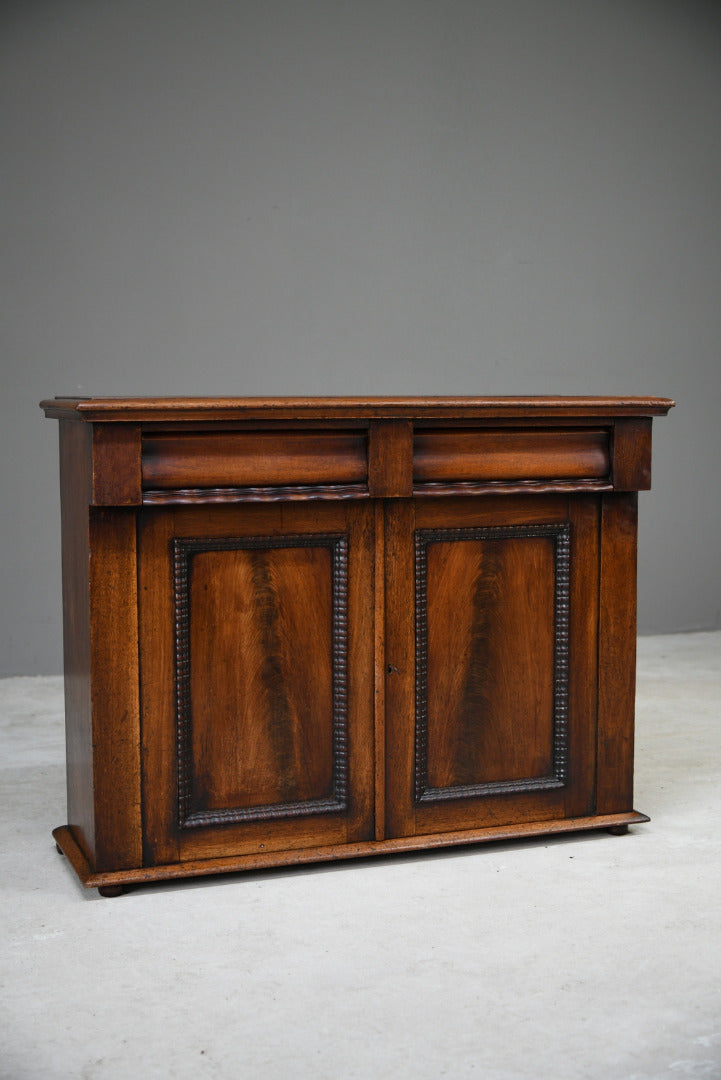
393, 196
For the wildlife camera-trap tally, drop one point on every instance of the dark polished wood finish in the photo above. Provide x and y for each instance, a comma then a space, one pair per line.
319, 628
616, 824
510, 455
259, 458
497, 637
256, 647
421, 410
390, 458
100, 633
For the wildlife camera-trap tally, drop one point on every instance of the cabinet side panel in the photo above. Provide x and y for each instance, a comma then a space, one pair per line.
617, 654
75, 490
114, 688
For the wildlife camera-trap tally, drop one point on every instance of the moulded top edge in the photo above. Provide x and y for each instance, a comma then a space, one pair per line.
148, 409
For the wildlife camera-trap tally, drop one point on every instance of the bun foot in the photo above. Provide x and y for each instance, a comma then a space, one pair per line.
618, 830
110, 890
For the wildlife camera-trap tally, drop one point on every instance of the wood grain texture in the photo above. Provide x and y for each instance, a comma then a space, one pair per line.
101, 664
226, 495
632, 454
617, 654
390, 458
261, 655
272, 636
116, 465
294, 649
75, 497
478, 455
497, 806
379, 635
257, 459
115, 691
399, 667
154, 410
585, 519
465, 488
490, 713
336, 852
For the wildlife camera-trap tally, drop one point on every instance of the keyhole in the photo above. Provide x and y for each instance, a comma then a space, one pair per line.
392, 669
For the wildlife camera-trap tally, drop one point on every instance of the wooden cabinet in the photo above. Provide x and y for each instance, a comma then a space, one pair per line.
307, 629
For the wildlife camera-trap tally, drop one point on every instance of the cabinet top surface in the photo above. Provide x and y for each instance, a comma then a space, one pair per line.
160, 409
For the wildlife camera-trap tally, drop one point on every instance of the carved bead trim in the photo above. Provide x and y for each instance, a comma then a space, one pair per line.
299, 493
509, 487
183, 551
190, 496
561, 535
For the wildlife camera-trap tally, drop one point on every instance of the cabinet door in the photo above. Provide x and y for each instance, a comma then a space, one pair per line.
256, 639
491, 628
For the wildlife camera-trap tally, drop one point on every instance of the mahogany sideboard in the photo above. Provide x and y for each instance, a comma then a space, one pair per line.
301, 629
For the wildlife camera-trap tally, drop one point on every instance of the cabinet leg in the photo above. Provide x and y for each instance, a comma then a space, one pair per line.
110, 890
617, 830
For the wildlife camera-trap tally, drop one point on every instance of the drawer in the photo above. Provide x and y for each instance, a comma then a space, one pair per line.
253, 459
496, 455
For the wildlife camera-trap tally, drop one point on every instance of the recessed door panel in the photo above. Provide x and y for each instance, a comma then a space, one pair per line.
494, 708
487, 716
259, 733
265, 686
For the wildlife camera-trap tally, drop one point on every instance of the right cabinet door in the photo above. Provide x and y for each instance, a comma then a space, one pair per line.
491, 674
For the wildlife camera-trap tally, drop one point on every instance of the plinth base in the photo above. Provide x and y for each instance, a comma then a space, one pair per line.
110, 883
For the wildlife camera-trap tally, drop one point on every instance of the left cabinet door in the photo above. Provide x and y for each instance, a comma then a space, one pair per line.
256, 659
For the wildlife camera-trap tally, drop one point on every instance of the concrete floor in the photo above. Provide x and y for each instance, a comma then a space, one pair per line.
592, 957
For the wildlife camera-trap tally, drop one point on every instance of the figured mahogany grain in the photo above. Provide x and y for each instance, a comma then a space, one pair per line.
489, 681
534, 802
261, 682
260, 658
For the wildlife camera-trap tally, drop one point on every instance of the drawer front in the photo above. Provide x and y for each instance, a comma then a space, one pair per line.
471, 455
253, 458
